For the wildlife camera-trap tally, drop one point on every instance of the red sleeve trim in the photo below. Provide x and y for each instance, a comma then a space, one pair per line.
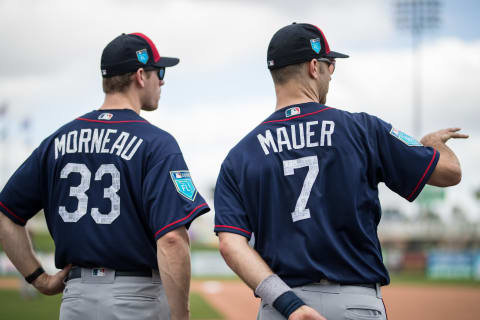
236, 228
180, 220
13, 214
423, 176
101, 121
300, 116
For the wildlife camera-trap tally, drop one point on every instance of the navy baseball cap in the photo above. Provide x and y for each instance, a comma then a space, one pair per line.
296, 43
129, 52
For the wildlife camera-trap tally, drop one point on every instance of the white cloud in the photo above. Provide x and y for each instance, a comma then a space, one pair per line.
381, 83
44, 37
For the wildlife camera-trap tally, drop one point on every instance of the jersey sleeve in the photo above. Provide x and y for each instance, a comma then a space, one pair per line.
230, 213
21, 198
170, 198
403, 163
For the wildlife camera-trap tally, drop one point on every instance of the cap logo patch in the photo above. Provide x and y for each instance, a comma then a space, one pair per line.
184, 184
105, 116
405, 138
142, 56
292, 112
104, 72
316, 45
271, 63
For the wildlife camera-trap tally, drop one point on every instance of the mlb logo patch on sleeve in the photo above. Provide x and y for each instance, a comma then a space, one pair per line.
184, 184
405, 138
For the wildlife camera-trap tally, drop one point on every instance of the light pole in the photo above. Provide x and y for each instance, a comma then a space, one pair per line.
3, 138
417, 16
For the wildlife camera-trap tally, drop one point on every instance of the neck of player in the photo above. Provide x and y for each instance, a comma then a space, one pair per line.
121, 101
294, 92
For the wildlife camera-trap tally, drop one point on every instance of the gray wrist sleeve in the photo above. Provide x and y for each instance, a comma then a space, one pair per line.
271, 288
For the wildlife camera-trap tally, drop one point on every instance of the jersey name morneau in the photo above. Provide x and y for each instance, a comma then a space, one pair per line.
98, 141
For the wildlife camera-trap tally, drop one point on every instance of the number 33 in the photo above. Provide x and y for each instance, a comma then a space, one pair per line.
79, 193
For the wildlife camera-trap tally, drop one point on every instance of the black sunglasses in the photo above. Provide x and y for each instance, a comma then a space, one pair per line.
160, 72
330, 62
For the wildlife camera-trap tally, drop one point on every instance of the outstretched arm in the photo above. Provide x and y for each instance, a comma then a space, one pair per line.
173, 256
447, 172
18, 247
252, 269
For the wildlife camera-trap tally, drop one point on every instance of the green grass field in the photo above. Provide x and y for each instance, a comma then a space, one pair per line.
421, 279
42, 241
41, 307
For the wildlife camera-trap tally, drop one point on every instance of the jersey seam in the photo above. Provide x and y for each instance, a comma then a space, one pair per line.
159, 162
300, 116
423, 176
182, 219
11, 213
231, 227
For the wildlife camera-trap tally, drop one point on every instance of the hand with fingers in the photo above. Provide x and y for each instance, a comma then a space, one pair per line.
306, 313
442, 136
448, 171
51, 284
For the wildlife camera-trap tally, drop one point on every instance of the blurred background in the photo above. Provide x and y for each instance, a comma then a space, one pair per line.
413, 63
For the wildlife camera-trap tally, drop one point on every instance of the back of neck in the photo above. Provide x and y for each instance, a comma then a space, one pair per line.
122, 100
291, 94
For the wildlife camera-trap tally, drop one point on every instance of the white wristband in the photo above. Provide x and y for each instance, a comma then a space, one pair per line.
271, 288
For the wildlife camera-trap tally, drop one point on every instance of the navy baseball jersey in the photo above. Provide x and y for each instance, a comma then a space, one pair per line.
110, 184
304, 182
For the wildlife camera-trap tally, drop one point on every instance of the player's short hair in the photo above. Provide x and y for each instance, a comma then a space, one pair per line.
117, 83
120, 83
283, 75
294, 71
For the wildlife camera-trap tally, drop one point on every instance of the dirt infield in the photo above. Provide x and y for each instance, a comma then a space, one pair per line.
236, 302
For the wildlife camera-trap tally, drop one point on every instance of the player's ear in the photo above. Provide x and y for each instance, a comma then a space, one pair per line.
313, 66
140, 76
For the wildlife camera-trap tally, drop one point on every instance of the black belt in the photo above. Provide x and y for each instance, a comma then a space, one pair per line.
76, 272
365, 285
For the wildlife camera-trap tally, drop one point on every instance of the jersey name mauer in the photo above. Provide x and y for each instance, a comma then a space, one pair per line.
297, 136
111, 141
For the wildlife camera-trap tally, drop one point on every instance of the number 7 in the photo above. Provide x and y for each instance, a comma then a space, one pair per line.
301, 212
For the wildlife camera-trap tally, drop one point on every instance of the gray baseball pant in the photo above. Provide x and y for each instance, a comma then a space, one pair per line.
335, 302
107, 297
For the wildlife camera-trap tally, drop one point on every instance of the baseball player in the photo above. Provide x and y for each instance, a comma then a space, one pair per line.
304, 183
118, 199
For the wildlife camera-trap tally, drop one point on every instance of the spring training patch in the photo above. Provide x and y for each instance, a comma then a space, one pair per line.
184, 184
405, 138
142, 56
316, 45
292, 112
